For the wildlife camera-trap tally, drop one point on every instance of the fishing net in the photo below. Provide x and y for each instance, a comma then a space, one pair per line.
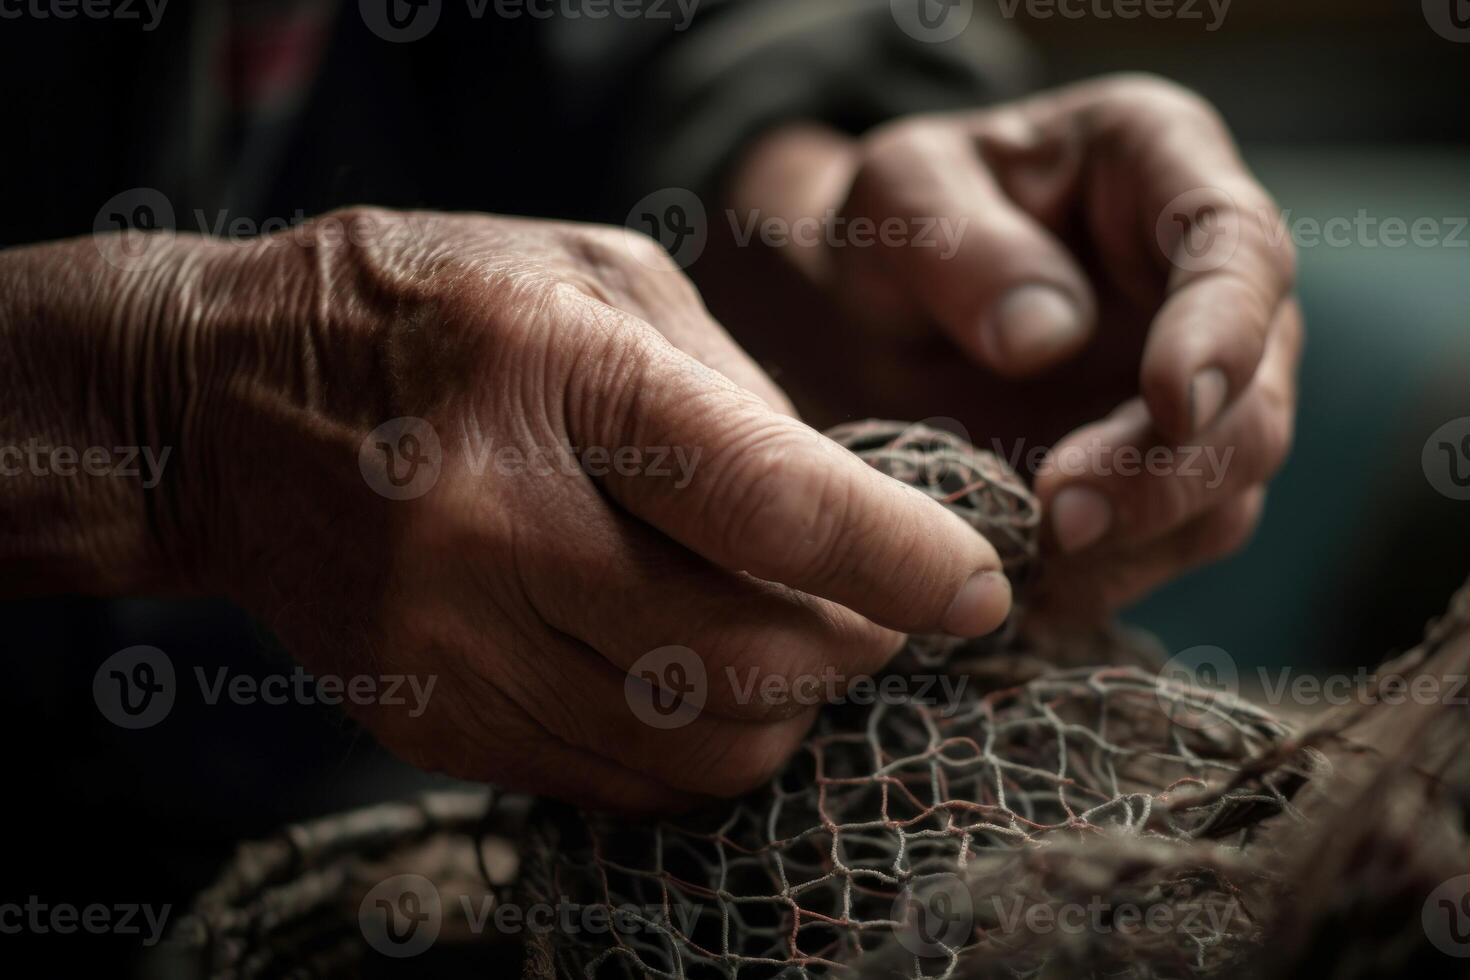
870, 840
870, 834
1009, 809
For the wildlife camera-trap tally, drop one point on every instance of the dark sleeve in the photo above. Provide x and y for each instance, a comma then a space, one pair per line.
682, 96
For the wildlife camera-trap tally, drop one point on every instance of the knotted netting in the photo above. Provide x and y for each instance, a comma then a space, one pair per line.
891, 807
868, 847
1031, 805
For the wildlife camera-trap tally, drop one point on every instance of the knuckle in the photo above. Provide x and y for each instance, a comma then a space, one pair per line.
360, 227
783, 513
889, 155
1254, 306
730, 762
762, 671
857, 643
905, 134
610, 263
1265, 233
647, 251
609, 248
354, 213
1162, 95
612, 374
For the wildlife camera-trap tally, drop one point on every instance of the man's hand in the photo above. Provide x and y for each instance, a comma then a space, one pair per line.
584, 469
1111, 255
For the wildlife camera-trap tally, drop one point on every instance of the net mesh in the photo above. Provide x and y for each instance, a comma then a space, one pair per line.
953, 831
892, 837
868, 831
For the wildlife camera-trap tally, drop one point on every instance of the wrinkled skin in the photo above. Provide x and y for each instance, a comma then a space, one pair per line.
528, 593
1070, 317
268, 367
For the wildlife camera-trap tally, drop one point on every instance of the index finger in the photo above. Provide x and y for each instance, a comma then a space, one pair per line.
1232, 267
1228, 258
1168, 203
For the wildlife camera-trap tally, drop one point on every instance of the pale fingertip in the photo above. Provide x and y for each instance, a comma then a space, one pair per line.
980, 606
1080, 516
1032, 327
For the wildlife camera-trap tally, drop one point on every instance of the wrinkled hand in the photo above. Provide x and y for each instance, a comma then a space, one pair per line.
598, 472
1100, 249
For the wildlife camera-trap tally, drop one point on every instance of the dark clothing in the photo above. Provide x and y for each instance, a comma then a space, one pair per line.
275, 110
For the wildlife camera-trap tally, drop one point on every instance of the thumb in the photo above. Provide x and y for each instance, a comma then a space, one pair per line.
763, 493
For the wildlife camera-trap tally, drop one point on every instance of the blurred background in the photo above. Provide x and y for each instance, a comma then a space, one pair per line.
1346, 108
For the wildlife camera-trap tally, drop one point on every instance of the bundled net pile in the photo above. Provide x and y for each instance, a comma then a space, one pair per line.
872, 838
1040, 816
866, 849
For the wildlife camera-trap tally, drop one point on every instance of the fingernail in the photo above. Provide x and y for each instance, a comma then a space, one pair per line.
1031, 325
1080, 516
980, 606
1207, 393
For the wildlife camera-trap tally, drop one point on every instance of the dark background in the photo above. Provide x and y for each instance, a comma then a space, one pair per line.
1340, 106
